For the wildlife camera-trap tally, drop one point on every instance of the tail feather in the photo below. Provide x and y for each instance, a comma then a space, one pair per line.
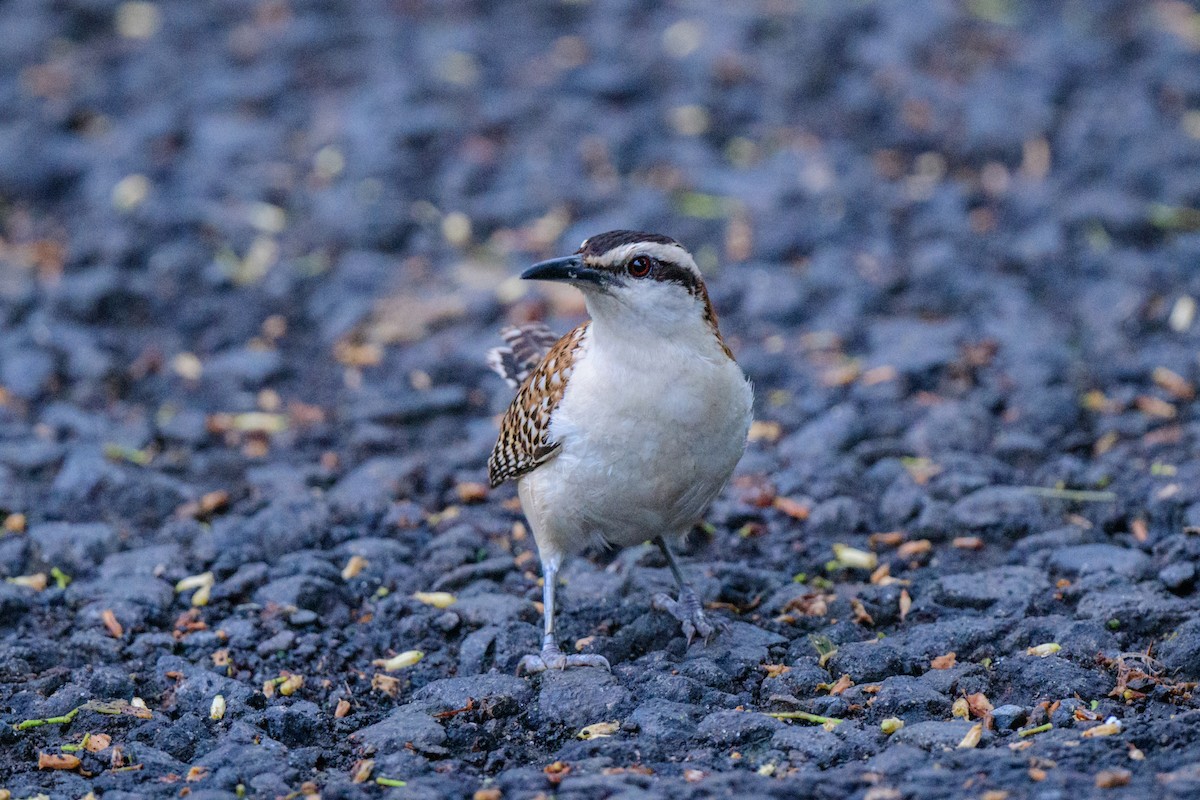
526, 346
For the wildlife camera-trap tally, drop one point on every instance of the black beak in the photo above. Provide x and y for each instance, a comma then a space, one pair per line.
567, 268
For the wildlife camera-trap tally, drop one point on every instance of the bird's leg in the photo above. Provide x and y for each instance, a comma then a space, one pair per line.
551, 656
687, 608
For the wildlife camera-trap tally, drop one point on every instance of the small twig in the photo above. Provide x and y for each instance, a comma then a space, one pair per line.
1038, 729
804, 715
1078, 495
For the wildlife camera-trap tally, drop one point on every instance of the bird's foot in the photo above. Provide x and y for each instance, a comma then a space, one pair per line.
688, 611
553, 658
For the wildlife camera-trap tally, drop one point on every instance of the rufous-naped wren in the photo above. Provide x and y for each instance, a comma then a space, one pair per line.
626, 428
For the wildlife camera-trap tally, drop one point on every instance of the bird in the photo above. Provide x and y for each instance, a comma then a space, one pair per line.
623, 430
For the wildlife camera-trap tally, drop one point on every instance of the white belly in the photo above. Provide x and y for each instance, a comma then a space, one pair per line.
644, 448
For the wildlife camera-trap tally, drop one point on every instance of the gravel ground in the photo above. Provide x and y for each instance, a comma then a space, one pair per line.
253, 254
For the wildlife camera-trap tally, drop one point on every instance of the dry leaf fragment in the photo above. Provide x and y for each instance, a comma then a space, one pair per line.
97, 742
1113, 778
361, 771
891, 725
979, 704
861, 615
386, 684
599, 730
291, 684
217, 710
1043, 650
855, 558
343, 708
946, 661
353, 567
973, 736
886, 539
57, 761
693, 775
764, 431
36, 581
775, 670
490, 793
1110, 727
961, 709
470, 492
1155, 407
435, 599
557, 771
1174, 383
196, 774
968, 542
401, 661
793, 508
840, 685
917, 547
1037, 774
112, 623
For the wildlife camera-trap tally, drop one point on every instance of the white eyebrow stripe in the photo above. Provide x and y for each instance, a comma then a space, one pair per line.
662, 252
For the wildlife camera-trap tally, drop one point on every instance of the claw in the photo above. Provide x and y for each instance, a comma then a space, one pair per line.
688, 611
553, 658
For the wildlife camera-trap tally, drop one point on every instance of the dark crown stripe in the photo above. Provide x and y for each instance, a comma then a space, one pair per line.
601, 243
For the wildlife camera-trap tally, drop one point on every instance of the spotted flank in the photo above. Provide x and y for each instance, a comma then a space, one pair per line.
526, 345
525, 431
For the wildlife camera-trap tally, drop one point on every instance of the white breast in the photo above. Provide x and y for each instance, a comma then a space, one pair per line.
648, 435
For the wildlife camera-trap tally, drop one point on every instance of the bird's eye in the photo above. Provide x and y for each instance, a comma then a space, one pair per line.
640, 266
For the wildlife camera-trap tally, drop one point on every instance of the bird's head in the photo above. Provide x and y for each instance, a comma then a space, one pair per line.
634, 280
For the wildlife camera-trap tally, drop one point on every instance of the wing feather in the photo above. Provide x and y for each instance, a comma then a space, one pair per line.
526, 345
524, 441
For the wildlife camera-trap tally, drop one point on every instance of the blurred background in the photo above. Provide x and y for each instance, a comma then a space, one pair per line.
233, 207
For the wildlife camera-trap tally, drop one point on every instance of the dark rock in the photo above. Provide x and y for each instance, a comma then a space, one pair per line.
1085, 558
502, 695
1008, 717
737, 728
933, 735
295, 724
1178, 578
665, 722
409, 724
1010, 590
1180, 653
75, 548
810, 744
581, 696
999, 511
905, 696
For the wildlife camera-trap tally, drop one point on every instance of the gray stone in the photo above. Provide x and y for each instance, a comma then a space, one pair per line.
500, 694
737, 728
581, 696
664, 721
906, 696
408, 724
933, 735
295, 724
1082, 559
1008, 717
74, 547
810, 743
1008, 510
1179, 577
1008, 588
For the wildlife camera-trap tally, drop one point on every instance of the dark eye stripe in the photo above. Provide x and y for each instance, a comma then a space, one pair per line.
669, 272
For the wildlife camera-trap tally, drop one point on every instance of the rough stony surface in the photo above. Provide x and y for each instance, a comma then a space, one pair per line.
251, 258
